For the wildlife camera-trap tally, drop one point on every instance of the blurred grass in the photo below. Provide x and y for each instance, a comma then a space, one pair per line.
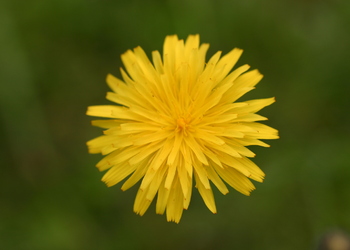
54, 59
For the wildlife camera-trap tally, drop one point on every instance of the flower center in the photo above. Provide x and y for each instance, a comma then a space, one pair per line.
181, 123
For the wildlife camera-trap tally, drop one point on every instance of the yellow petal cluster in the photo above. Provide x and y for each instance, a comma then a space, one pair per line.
176, 120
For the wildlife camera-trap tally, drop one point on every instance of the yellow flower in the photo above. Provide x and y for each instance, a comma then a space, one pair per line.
177, 119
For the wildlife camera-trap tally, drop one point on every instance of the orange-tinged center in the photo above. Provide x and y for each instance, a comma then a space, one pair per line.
181, 123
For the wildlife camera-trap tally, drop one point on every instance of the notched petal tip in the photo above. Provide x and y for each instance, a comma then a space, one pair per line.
260, 74
138, 48
173, 220
109, 77
107, 183
261, 179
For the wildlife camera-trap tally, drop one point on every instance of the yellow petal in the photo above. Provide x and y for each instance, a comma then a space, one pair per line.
117, 157
170, 176
118, 86
157, 61
236, 180
175, 203
105, 123
203, 135
250, 141
255, 105
196, 148
214, 177
187, 197
226, 63
146, 151
234, 163
176, 148
117, 174
162, 199
105, 111
201, 173
248, 117
140, 171
256, 173
262, 131
224, 149
155, 182
207, 195
183, 177
141, 204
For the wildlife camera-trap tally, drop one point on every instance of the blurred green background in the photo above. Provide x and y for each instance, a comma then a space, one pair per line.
55, 56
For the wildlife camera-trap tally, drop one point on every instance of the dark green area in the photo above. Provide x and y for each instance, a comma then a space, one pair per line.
54, 57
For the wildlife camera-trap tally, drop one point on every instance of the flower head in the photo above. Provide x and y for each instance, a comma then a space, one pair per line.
176, 120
